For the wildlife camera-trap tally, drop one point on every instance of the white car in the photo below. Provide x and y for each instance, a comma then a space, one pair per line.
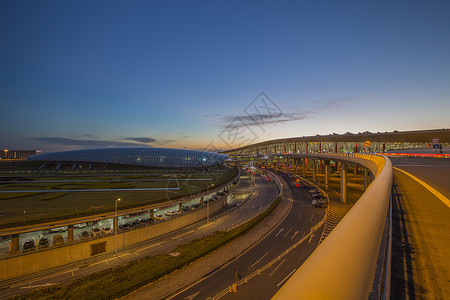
81, 225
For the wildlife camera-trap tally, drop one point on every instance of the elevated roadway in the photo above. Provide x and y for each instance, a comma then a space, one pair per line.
421, 226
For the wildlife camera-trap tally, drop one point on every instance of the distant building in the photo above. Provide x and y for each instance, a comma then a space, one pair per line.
16, 154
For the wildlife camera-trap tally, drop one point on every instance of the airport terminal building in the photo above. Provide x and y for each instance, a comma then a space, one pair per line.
145, 157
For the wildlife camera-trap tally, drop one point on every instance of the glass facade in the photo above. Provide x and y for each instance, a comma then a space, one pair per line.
151, 157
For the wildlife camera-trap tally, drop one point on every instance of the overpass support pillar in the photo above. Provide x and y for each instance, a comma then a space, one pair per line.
355, 170
314, 170
304, 168
152, 213
180, 206
14, 244
70, 233
327, 174
366, 178
344, 170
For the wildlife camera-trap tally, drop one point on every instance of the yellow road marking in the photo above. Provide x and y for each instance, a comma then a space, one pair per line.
441, 197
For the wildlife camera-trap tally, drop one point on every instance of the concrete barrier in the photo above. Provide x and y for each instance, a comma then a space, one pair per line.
57, 256
343, 266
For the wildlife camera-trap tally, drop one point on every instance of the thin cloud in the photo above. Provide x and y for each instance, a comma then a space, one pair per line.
264, 119
145, 140
261, 120
86, 143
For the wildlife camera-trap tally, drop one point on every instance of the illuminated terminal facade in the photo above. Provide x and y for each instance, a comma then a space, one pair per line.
380, 142
146, 157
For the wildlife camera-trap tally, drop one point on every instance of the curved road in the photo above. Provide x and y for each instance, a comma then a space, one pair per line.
421, 226
298, 222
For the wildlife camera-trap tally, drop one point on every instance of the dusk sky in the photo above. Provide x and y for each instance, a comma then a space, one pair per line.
218, 74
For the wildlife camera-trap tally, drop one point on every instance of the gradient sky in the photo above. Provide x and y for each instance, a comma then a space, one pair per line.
88, 74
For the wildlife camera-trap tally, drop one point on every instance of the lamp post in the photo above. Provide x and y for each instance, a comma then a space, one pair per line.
116, 228
207, 203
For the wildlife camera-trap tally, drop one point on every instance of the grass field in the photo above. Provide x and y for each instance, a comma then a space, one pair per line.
23, 207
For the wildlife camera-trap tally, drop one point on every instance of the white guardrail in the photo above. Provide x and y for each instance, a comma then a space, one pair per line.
344, 265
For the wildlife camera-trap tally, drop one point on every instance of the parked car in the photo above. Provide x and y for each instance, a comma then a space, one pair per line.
136, 223
81, 225
28, 245
95, 231
85, 235
106, 230
170, 213
58, 240
43, 243
159, 217
147, 220
124, 226
319, 203
57, 229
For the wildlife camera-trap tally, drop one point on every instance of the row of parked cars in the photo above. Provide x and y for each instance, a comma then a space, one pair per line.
44, 242
136, 223
318, 199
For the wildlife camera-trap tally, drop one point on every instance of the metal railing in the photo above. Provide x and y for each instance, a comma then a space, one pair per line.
344, 265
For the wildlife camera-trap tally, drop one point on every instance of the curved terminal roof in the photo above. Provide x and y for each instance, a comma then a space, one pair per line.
151, 157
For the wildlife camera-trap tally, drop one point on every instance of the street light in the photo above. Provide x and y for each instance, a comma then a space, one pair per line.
207, 203
116, 228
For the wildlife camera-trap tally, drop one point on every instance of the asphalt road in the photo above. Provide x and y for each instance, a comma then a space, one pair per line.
265, 193
300, 219
421, 226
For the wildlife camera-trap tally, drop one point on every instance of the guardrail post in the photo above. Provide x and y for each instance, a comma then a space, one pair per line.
344, 170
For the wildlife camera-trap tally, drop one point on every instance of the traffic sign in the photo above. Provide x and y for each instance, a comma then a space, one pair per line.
367, 144
235, 269
435, 143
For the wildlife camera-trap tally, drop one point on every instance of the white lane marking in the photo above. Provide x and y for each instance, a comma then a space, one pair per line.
277, 267
258, 260
191, 296
295, 233
303, 234
441, 197
288, 232
312, 216
286, 277
97, 263
299, 215
119, 256
35, 286
72, 273
281, 230
310, 238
